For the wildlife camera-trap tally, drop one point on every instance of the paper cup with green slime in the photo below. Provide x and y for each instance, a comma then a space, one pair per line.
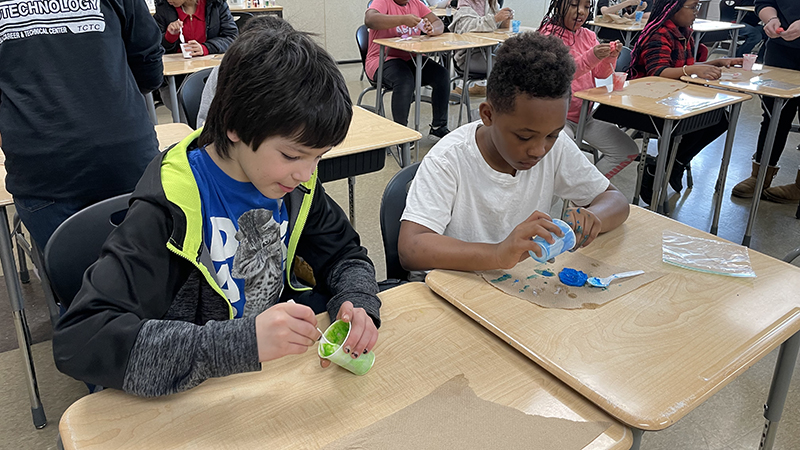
337, 334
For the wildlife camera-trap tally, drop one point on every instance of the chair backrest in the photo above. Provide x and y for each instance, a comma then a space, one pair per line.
362, 39
76, 244
392, 205
623, 60
191, 93
241, 18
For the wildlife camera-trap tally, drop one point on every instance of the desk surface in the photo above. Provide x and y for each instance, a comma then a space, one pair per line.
653, 355
369, 131
755, 86
750, 8
499, 35
706, 26
440, 43
170, 133
633, 26
293, 403
689, 101
5, 197
176, 64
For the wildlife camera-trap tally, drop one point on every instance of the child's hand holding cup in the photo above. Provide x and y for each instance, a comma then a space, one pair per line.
186, 50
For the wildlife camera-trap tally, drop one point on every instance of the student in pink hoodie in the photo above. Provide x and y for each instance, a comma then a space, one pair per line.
565, 19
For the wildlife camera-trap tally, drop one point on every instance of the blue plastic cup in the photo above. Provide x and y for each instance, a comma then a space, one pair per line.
561, 244
638, 16
515, 26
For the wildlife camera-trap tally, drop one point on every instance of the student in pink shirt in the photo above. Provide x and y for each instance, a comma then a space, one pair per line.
565, 19
394, 19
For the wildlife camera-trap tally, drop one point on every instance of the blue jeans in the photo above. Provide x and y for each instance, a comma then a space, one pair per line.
42, 216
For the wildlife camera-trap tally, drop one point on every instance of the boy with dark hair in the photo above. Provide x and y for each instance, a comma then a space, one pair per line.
479, 195
213, 231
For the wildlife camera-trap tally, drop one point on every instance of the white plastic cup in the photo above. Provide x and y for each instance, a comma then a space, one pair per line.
561, 244
337, 334
748, 59
187, 52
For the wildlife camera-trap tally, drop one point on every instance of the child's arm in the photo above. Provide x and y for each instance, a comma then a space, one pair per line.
618, 7
421, 248
377, 21
606, 212
607, 54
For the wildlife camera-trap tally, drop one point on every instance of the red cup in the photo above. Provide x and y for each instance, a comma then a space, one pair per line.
619, 80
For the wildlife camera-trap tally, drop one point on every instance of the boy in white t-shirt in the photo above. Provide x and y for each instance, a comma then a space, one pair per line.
478, 196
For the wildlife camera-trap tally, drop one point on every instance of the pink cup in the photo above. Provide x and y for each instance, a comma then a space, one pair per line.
187, 52
619, 80
748, 59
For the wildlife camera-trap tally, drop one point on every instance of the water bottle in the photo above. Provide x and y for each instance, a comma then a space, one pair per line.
561, 244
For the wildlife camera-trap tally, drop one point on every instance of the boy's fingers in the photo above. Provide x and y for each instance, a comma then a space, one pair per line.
345, 312
301, 312
324, 363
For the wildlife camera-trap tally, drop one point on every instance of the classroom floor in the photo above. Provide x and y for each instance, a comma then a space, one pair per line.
731, 419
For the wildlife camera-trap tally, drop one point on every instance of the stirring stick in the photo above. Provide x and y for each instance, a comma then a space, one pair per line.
183, 40
321, 334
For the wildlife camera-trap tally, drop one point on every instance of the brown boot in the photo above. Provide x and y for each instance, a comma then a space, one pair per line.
784, 194
746, 188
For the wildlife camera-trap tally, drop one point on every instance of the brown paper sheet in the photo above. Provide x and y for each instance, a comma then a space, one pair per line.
652, 89
452, 416
538, 283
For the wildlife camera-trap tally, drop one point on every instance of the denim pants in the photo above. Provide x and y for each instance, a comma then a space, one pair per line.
42, 216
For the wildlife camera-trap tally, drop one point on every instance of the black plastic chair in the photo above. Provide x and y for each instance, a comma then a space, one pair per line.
362, 39
191, 93
392, 205
241, 18
76, 245
623, 60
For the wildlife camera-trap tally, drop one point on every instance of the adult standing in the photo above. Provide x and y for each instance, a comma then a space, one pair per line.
781, 20
74, 123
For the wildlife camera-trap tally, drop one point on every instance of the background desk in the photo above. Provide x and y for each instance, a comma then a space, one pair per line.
651, 356
262, 10
293, 403
702, 26
685, 111
176, 64
781, 96
170, 133
417, 46
626, 31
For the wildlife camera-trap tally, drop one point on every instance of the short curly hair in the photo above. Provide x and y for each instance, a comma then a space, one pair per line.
532, 64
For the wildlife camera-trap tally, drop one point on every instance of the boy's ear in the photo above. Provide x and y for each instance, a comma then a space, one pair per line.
487, 113
233, 136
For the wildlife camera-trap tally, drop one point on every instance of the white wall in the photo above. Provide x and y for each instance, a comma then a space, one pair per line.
336, 21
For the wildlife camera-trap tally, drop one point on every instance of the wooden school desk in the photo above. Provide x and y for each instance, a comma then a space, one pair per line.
293, 403
740, 12
626, 31
653, 355
366, 142
681, 112
702, 26
419, 45
170, 133
787, 87
176, 64
18, 304
261, 10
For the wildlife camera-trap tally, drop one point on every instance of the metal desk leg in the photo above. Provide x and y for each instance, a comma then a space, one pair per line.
20, 322
489, 60
762, 171
351, 187
173, 96
719, 188
637, 438
418, 91
781, 378
151, 107
465, 89
661, 163
379, 82
628, 38
734, 42
405, 154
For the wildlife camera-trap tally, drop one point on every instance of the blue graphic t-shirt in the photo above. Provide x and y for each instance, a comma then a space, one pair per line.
245, 232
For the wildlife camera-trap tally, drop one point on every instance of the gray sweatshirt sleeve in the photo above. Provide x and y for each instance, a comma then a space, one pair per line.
354, 280
172, 356
208, 94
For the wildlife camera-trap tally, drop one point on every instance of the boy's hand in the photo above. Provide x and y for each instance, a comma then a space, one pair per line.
726, 62
705, 71
195, 47
585, 225
602, 51
516, 246
409, 20
175, 27
285, 329
791, 33
363, 333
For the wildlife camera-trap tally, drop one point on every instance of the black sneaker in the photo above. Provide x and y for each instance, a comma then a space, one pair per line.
438, 133
648, 178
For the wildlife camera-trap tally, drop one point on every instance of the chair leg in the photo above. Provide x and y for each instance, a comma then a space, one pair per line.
689, 181
640, 168
53, 307
24, 275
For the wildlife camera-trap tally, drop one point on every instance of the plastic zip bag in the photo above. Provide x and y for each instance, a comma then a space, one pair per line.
705, 255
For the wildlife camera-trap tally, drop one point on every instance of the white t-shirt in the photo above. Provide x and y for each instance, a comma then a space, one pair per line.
456, 193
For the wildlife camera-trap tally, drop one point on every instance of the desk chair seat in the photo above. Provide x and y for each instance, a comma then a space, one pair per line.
191, 93
393, 203
76, 244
